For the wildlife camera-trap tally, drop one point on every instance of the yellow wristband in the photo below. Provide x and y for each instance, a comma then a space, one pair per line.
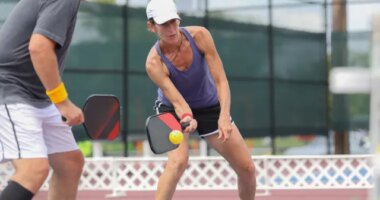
58, 94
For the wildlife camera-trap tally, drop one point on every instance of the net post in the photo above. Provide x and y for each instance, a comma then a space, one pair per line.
97, 149
374, 125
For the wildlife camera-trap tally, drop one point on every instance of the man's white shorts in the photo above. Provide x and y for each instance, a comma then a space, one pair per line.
29, 132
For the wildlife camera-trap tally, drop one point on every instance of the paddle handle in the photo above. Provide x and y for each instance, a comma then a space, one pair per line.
185, 124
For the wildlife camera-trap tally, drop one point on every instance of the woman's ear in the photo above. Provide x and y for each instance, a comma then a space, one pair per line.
150, 26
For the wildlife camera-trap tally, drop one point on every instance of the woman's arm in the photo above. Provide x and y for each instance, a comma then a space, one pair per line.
159, 74
206, 44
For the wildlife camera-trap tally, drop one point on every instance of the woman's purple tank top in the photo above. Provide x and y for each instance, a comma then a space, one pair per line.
195, 84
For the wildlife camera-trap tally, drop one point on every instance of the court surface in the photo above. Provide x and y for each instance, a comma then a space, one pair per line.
342, 194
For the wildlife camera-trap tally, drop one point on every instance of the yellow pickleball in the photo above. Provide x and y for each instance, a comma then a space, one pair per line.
176, 137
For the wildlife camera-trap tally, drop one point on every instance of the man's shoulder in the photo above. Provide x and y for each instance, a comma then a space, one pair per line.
52, 2
59, 8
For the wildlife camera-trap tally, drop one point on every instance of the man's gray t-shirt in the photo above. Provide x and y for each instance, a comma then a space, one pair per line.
54, 19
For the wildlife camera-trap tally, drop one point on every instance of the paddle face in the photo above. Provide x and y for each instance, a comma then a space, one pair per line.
102, 117
158, 128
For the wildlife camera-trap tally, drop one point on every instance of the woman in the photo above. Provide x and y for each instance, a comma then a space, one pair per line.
186, 67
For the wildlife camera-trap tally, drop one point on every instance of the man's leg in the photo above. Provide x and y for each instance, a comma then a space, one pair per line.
175, 166
16, 191
29, 176
22, 142
64, 156
67, 168
237, 154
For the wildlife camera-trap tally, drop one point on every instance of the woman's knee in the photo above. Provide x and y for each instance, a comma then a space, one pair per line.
246, 170
179, 165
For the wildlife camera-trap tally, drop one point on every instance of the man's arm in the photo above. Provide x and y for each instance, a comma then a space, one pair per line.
206, 44
44, 59
42, 52
159, 74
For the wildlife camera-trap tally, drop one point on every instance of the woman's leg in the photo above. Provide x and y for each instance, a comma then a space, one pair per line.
175, 166
236, 152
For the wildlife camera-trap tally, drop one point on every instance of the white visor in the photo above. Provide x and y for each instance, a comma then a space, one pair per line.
161, 11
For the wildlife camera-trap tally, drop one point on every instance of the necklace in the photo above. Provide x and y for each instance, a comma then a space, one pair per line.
178, 49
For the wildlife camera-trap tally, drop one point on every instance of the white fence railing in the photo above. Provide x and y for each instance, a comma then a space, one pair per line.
214, 173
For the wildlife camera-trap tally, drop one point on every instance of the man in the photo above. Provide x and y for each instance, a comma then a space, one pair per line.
186, 67
33, 46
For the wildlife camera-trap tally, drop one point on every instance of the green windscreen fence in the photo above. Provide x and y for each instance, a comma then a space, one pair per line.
95, 64
278, 76
300, 82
